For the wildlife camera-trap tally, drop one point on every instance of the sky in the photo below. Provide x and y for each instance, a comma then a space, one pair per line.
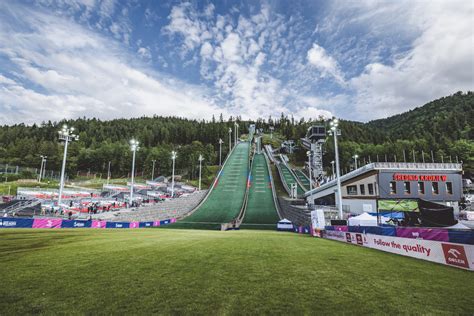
357, 60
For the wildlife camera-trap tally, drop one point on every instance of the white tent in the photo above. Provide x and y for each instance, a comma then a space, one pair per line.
365, 219
285, 224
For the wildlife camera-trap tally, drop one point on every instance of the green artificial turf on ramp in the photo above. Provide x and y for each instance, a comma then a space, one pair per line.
302, 178
201, 272
261, 212
289, 179
225, 201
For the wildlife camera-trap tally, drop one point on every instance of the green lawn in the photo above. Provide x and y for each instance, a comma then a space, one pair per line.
143, 271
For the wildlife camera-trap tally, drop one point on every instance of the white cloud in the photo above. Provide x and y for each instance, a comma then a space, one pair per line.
440, 63
62, 76
206, 50
144, 52
318, 57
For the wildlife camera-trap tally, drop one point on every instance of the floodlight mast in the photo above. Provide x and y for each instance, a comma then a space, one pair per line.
42, 168
201, 158
220, 151
173, 157
308, 153
334, 123
133, 147
66, 134
153, 170
236, 127
230, 139
355, 160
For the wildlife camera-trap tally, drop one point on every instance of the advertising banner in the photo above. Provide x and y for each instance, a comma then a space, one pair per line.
7, 222
47, 223
134, 224
156, 223
146, 224
423, 233
98, 224
75, 224
456, 255
335, 235
117, 225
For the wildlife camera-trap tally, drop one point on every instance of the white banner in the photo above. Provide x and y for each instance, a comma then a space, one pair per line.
457, 255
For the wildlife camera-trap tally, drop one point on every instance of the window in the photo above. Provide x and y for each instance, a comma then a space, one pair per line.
362, 189
406, 187
421, 187
371, 188
393, 187
352, 190
435, 187
449, 187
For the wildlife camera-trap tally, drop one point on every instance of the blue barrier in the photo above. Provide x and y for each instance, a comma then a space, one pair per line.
7, 222
75, 224
461, 236
12, 222
117, 225
145, 224
376, 230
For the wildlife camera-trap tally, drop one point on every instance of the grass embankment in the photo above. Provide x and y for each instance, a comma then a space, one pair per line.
12, 186
143, 271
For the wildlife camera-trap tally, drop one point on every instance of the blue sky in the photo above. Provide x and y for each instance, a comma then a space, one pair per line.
358, 60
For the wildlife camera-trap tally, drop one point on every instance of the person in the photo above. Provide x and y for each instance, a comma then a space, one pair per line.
70, 215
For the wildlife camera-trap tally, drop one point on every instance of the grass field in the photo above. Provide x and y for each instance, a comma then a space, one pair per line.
145, 271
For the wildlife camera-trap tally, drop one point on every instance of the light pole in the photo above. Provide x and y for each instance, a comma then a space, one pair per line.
236, 127
173, 157
308, 153
333, 170
230, 139
67, 135
153, 170
201, 158
108, 173
355, 160
43, 166
220, 151
133, 147
271, 132
334, 131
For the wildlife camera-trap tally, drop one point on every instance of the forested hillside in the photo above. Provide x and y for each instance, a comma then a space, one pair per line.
443, 126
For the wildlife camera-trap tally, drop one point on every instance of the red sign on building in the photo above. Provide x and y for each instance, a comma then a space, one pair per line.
416, 177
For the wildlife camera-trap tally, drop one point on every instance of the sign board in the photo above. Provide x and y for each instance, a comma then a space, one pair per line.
456, 255
317, 219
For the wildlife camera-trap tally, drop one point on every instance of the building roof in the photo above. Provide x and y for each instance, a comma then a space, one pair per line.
403, 166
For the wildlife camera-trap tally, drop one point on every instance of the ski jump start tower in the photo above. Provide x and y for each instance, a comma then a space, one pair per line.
314, 140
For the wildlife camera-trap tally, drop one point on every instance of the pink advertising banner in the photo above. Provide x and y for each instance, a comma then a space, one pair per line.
423, 233
47, 223
134, 224
156, 223
98, 224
